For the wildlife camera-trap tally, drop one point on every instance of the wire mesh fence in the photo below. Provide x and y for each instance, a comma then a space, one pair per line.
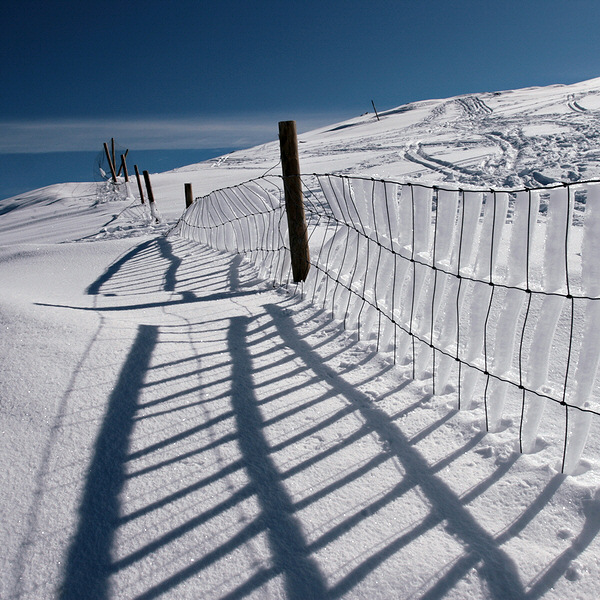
491, 293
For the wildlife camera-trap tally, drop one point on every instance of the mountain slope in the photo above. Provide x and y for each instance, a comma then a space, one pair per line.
171, 427
527, 137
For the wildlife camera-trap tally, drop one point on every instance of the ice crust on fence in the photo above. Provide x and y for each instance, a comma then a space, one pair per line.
445, 280
589, 352
248, 219
553, 279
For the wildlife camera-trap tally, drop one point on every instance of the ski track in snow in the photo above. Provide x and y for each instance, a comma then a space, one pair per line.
172, 427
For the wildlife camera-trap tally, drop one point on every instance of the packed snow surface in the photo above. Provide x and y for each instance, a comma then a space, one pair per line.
173, 427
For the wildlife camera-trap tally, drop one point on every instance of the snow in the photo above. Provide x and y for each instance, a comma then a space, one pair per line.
173, 426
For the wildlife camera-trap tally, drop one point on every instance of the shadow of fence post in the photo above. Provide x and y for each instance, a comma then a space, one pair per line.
88, 565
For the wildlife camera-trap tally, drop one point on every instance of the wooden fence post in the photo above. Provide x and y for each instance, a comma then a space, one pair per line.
151, 202
124, 167
112, 149
139, 182
110, 162
294, 205
149, 187
189, 196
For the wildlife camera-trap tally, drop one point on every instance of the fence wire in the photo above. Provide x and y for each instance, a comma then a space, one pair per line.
501, 288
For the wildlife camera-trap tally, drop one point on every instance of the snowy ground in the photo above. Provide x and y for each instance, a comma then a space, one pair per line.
171, 427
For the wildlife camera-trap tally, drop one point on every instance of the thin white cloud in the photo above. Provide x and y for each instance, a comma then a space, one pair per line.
147, 134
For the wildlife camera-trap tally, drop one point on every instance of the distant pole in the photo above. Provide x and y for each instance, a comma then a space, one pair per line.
139, 182
112, 144
123, 163
373, 103
151, 202
294, 205
124, 167
110, 163
189, 195
149, 187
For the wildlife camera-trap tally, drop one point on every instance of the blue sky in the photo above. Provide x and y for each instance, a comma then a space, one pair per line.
196, 74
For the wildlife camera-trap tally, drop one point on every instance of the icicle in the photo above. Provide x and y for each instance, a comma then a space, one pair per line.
346, 260
487, 253
461, 260
445, 226
329, 259
333, 190
553, 280
385, 286
504, 352
589, 353
356, 303
421, 251
388, 271
392, 195
363, 189
585, 376
505, 345
382, 214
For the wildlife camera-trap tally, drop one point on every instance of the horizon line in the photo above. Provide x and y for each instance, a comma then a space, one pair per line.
73, 134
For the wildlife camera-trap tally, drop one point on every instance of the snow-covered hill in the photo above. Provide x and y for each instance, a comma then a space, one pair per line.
171, 427
527, 137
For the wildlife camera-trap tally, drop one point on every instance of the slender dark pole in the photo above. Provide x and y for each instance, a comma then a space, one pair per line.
124, 167
373, 103
149, 187
110, 163
112, 145
123, 163
189, 196
139, 182
294, 205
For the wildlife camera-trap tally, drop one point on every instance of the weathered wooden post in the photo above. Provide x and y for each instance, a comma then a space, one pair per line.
124, 167
139, 182
189, 196
149, 187
111, 164
151, 197
294, 205
112, 148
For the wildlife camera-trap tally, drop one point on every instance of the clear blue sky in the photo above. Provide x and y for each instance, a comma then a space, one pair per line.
222, 73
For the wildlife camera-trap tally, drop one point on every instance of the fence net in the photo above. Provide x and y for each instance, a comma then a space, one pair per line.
497, 291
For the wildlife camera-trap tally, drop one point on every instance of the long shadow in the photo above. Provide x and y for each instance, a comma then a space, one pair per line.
94, 288
303, 580
89, 563
89, 559
302, 576
186, 298
499, 570
170, 278
136, 264
467, 562
589, 531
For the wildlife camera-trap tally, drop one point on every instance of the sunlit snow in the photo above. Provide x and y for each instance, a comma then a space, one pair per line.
171, 426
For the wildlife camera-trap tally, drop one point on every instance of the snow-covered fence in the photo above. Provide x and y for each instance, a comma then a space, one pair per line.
496, 293
247, 219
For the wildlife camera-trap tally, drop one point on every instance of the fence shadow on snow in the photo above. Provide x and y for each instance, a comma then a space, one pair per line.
493, 293
258, 455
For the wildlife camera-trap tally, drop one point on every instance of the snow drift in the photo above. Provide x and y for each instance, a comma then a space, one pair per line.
172, 426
